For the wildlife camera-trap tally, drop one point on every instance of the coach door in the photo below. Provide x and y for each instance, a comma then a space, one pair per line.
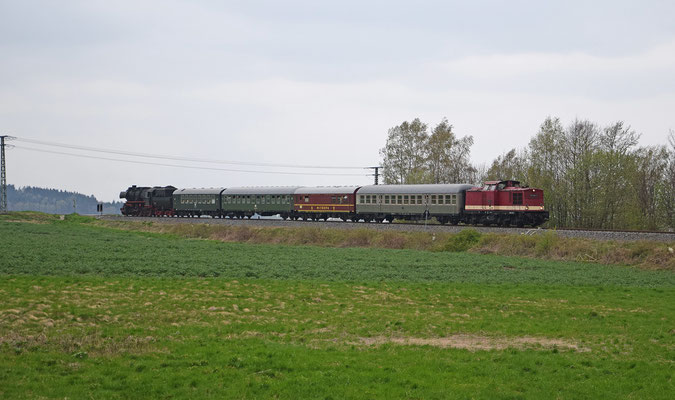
489, 197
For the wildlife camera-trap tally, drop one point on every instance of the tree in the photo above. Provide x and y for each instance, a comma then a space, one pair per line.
546, 169
509, 166
650, 187
615, 165
667, 195
404, 154
448, 156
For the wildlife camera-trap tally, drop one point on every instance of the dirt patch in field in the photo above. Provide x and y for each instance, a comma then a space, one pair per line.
477, 342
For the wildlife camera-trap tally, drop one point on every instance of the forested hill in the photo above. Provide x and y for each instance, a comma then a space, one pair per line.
55, 201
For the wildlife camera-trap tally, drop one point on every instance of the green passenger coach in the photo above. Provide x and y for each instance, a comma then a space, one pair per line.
198, 202
244, 202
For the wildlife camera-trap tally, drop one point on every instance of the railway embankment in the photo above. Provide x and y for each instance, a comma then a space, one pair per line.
649, 250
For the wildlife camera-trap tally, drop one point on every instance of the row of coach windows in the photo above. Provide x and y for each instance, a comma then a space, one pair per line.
339, 199
197, 198
434, 199
333, 199
257, 199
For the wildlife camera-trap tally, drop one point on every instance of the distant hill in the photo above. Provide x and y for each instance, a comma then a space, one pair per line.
55, 201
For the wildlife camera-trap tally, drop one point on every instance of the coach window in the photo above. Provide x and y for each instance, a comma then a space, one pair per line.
433, 199
454, 200
406, 199
419, 199
386, 199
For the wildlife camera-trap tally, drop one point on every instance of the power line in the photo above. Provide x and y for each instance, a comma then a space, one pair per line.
180, 166
179, 158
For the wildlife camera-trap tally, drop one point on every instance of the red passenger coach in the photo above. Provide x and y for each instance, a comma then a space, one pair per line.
505, 203
325, 202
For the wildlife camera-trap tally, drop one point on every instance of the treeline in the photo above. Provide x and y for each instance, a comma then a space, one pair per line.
55, 201
593, 176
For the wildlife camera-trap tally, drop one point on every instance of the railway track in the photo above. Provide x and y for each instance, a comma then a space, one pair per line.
668, 237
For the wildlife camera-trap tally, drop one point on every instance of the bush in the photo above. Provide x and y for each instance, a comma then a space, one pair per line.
462, 241
546, 243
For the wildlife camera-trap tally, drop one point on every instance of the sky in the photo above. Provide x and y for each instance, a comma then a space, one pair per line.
312, 83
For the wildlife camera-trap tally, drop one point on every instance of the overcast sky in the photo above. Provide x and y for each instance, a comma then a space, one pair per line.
312, 82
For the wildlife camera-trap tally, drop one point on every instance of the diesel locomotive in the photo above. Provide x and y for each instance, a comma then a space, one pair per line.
503, 203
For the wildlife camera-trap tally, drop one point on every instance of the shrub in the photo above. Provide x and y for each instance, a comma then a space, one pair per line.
546, 243
462, 241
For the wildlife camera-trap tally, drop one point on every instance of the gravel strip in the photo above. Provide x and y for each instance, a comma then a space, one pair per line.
595, 235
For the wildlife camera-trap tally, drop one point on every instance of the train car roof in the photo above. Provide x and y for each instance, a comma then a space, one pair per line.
261, 190
214, 191
327, 190
415, 189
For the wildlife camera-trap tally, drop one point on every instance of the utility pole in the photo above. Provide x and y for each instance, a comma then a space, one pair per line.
377, 173
3, 174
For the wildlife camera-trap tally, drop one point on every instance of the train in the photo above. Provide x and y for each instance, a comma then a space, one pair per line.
501, 203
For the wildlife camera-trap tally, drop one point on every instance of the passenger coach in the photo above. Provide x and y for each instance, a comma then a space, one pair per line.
325, 202
198, 202
411, 202
244, 202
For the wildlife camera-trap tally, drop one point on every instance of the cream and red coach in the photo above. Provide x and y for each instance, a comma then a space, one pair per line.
325, 202
505, 203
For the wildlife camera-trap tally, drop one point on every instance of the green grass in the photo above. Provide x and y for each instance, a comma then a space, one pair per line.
94, 312
67, 248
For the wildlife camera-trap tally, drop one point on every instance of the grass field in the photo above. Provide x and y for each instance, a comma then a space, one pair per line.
95, 312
